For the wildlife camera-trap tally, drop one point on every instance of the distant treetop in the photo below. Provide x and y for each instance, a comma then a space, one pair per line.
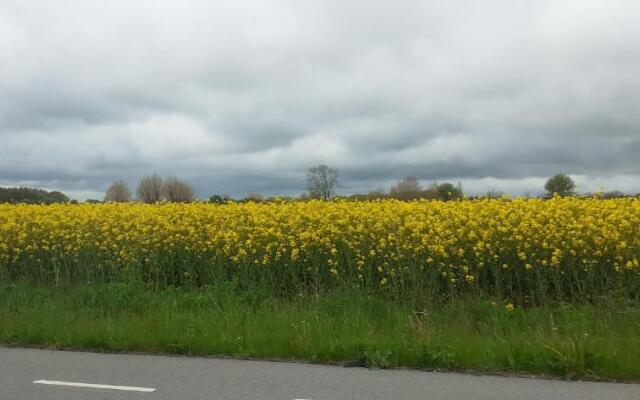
560, 184
32, 196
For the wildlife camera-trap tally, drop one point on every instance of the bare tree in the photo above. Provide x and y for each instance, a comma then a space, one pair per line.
493, 194
255, 196
378, 193
408, 188
118, 192
322, 181
177, 191
150, 188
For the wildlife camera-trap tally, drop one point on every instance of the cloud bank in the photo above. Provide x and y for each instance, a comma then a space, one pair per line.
242, 96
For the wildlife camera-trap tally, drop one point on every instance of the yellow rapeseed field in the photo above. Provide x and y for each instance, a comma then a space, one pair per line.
522, 249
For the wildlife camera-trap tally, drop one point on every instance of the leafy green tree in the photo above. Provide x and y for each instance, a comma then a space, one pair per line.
560, 184
448, 191
216, 199
31, 196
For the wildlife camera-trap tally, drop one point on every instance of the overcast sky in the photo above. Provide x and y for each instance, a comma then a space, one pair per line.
243, 96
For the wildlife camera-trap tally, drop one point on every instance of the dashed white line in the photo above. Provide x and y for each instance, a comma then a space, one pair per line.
95, 386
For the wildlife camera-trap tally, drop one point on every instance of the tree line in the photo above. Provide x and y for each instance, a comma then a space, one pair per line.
322, 183
31, 196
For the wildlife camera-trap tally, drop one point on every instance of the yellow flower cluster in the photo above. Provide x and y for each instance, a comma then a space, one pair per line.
518, 248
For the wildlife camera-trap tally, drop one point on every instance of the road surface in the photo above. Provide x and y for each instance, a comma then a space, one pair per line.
29, 374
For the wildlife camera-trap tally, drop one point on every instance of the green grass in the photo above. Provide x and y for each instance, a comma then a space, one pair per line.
586, 341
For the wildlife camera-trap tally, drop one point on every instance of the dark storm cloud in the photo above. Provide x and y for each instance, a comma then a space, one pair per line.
240, 97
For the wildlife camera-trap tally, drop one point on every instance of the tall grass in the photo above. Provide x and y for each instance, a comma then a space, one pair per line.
351, 327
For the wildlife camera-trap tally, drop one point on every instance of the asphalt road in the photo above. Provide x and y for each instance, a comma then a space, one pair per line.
178, 378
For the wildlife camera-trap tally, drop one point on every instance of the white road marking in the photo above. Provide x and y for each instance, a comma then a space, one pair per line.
95, 386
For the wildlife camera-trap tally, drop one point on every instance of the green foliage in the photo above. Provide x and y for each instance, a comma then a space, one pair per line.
447, 191
349, 327
31, 196
377, 359
216, 199
560, 184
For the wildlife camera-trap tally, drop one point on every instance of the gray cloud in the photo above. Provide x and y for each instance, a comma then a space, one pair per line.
236, 96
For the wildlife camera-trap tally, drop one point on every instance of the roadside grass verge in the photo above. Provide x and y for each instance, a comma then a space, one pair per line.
573, 341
